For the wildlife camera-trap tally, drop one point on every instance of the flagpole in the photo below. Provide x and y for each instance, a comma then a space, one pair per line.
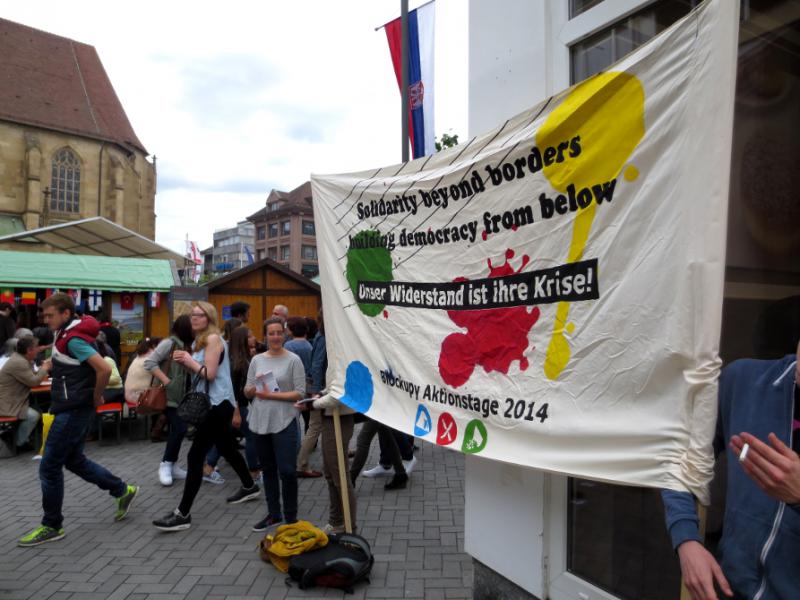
404, 77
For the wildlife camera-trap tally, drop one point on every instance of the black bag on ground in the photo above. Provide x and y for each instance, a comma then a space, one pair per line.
346, 560
193, 408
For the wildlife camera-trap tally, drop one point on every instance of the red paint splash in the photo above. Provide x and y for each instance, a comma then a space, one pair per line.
484, 235
385, 314
495, 337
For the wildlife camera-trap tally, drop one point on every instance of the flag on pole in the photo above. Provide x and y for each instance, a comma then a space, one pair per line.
95, 300
194, 252
420, 74
250, 259
155, 299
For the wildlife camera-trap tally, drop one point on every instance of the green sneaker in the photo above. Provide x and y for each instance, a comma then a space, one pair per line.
125, 501
41, 535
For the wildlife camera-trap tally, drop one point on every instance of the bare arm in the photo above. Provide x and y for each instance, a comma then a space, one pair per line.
103, 372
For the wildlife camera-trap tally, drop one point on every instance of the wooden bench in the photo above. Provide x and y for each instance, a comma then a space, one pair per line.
111, 412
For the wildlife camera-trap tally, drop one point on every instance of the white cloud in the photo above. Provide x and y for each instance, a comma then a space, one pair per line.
235, 96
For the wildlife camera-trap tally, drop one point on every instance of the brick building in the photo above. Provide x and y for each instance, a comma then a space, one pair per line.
67, 149
285, 230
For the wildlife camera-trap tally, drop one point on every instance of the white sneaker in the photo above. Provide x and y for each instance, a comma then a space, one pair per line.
410, 464
379, 471
165, 473
177, 472
215, 477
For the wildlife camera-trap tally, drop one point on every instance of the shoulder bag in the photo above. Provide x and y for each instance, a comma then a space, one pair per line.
154, 399
194, 407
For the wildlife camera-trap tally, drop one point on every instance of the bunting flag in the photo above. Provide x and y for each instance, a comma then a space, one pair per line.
550, 293
28, 299
193, 252
7, 295
126, 301
154, 299
420, 74
95, 300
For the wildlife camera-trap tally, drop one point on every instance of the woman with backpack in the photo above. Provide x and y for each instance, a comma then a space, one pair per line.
275, 381
209, 363
174, 380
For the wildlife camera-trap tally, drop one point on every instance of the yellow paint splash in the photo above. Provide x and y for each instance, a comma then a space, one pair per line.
607, 112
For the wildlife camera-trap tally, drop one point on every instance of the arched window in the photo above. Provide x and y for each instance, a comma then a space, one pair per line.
65, 185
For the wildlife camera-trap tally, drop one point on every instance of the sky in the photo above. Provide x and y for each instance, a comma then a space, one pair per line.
238, 98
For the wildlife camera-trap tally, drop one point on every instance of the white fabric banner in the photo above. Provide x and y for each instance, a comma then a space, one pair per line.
550, 293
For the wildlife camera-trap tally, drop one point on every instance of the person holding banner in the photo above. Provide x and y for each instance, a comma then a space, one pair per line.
759, 416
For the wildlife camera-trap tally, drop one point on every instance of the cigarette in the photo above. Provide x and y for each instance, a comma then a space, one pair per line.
743, 453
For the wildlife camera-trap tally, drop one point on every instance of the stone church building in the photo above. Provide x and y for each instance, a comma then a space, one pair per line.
67, 149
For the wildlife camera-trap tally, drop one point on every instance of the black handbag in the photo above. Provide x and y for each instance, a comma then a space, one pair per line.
195, 405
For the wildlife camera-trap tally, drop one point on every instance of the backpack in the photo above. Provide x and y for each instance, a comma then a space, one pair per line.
346, 560
290, 540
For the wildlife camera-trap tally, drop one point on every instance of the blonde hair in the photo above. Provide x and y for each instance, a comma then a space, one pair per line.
201, 338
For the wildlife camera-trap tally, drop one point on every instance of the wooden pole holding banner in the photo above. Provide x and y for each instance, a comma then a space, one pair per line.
343, 475
701, 515
404, 76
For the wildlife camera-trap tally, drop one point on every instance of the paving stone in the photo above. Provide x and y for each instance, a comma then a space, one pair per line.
416, 535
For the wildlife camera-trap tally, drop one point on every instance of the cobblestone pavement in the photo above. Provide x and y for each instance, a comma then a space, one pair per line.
417, 535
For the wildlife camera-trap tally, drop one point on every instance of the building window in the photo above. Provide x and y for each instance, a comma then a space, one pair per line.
274, 205
272, 253
262, 232
261, 254
590, 56
65, 182
285, 229
308, 228
310, 271
284, 252
273, 230
309, 252
576, 7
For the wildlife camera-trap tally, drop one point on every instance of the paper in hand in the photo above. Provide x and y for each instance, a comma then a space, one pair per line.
267, 382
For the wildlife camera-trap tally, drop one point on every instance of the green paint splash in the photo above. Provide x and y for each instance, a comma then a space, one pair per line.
368, 264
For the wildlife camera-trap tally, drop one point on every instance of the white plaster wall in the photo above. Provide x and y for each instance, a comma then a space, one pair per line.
508, 72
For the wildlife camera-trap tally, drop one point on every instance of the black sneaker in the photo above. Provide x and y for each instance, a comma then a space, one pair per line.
398, 482
245, 494
174, 521
266, 523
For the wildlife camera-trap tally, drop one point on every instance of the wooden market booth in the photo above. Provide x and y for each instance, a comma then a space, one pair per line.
113, 269
262, 285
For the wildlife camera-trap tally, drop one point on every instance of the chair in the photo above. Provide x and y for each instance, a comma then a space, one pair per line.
8, 436
110, 412
133, 417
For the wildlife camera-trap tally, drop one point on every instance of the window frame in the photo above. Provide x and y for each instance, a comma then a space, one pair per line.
273, 230
286, 227
66, 183
313, 227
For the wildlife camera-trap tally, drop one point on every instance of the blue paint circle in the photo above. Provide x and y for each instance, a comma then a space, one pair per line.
358, 388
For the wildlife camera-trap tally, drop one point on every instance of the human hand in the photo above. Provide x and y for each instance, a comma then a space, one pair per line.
700, 569
775, 469
181, 357
237, 418
300, 405
47, 365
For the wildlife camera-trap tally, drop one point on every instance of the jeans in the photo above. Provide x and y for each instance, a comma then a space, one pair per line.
405, 443
278, 453
27, 426
310, 438
250, 453
64, 448
214, 431
388, 442
177, 429
330, 460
